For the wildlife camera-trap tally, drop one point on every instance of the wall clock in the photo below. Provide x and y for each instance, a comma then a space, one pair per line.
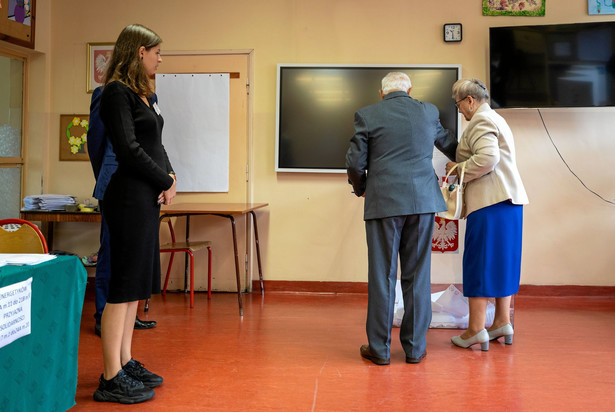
452, 32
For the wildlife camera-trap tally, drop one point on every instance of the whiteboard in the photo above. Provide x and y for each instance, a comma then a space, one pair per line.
195, 108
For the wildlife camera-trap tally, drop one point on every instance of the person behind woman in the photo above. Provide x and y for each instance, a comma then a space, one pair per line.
494, 195
144, 179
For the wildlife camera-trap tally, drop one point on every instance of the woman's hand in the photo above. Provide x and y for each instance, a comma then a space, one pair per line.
169, 194
449, 166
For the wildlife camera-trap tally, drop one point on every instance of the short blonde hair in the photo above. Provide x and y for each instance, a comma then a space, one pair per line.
396, 81
470, 87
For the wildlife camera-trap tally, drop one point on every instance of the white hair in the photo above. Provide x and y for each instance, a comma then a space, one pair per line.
395, 81
470, 87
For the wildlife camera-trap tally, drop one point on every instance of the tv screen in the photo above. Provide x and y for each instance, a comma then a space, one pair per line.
316, 106
558, 65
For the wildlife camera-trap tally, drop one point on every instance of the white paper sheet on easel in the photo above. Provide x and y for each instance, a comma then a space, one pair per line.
196, 108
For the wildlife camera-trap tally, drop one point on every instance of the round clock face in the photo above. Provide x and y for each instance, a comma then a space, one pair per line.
452, 32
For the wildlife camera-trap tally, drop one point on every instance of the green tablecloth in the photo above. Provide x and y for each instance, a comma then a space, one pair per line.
38, 372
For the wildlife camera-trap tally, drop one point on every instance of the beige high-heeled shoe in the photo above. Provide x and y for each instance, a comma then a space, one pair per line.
481, 337
507, 331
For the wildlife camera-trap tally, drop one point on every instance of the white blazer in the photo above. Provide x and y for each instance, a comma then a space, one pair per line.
488, 150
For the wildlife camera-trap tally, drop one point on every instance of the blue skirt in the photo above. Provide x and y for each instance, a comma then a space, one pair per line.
492, 255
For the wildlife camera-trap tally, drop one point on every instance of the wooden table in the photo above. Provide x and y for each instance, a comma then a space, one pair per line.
48, 218
226, 210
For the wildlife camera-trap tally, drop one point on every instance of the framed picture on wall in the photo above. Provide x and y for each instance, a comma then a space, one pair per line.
513, 8
600, 7
17, 21
73, 136
98, 57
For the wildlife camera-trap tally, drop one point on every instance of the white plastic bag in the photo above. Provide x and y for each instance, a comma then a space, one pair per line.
449, 309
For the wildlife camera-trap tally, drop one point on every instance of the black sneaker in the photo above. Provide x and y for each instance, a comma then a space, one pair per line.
138, 371
122, 389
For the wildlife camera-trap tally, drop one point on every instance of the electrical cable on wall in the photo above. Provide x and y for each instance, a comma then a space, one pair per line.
563, 160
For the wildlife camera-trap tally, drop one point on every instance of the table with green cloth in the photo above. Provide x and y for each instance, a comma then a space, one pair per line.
38, 372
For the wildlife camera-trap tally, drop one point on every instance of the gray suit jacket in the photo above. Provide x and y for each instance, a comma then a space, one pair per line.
390, 157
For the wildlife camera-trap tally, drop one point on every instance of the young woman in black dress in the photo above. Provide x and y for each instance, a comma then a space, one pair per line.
144, 179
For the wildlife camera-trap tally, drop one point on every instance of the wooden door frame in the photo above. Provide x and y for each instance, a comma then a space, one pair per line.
249, 53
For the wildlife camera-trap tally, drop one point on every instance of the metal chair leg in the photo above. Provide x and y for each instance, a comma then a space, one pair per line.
209, 255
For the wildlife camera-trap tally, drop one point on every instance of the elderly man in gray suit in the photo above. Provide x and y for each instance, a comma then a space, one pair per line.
389, 162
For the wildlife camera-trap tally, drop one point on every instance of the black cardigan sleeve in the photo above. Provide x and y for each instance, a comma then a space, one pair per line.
116, 111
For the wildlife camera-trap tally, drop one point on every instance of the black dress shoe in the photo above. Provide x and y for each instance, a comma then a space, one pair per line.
416, 360
97, 329
366, 352
144, 324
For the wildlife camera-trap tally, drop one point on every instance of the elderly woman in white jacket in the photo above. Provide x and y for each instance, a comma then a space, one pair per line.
494, 198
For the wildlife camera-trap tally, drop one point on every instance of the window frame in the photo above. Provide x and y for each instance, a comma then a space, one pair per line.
19, 162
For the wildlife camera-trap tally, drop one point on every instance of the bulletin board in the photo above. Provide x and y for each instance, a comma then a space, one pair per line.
196, 111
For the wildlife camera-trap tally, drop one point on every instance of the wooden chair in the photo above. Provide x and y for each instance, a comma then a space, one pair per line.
21, 236
189, 248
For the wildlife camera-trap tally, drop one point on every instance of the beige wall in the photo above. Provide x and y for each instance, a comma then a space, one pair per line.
313, 228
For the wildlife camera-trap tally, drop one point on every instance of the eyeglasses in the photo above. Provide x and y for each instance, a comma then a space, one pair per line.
458, 101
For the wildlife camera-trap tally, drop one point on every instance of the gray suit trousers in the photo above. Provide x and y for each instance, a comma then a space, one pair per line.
408, 237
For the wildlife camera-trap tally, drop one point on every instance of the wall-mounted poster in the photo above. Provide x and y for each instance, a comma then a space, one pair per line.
99, 56
514, 7
73, 136
601, 6
17, 21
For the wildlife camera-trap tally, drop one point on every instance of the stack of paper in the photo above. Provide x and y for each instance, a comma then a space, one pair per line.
48, 202
24, 258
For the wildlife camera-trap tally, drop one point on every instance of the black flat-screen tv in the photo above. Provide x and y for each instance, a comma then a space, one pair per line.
556, 65
316, 105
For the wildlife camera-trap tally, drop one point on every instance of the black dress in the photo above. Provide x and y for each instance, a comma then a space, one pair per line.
131, 199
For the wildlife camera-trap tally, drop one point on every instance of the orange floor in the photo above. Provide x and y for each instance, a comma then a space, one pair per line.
300, 352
